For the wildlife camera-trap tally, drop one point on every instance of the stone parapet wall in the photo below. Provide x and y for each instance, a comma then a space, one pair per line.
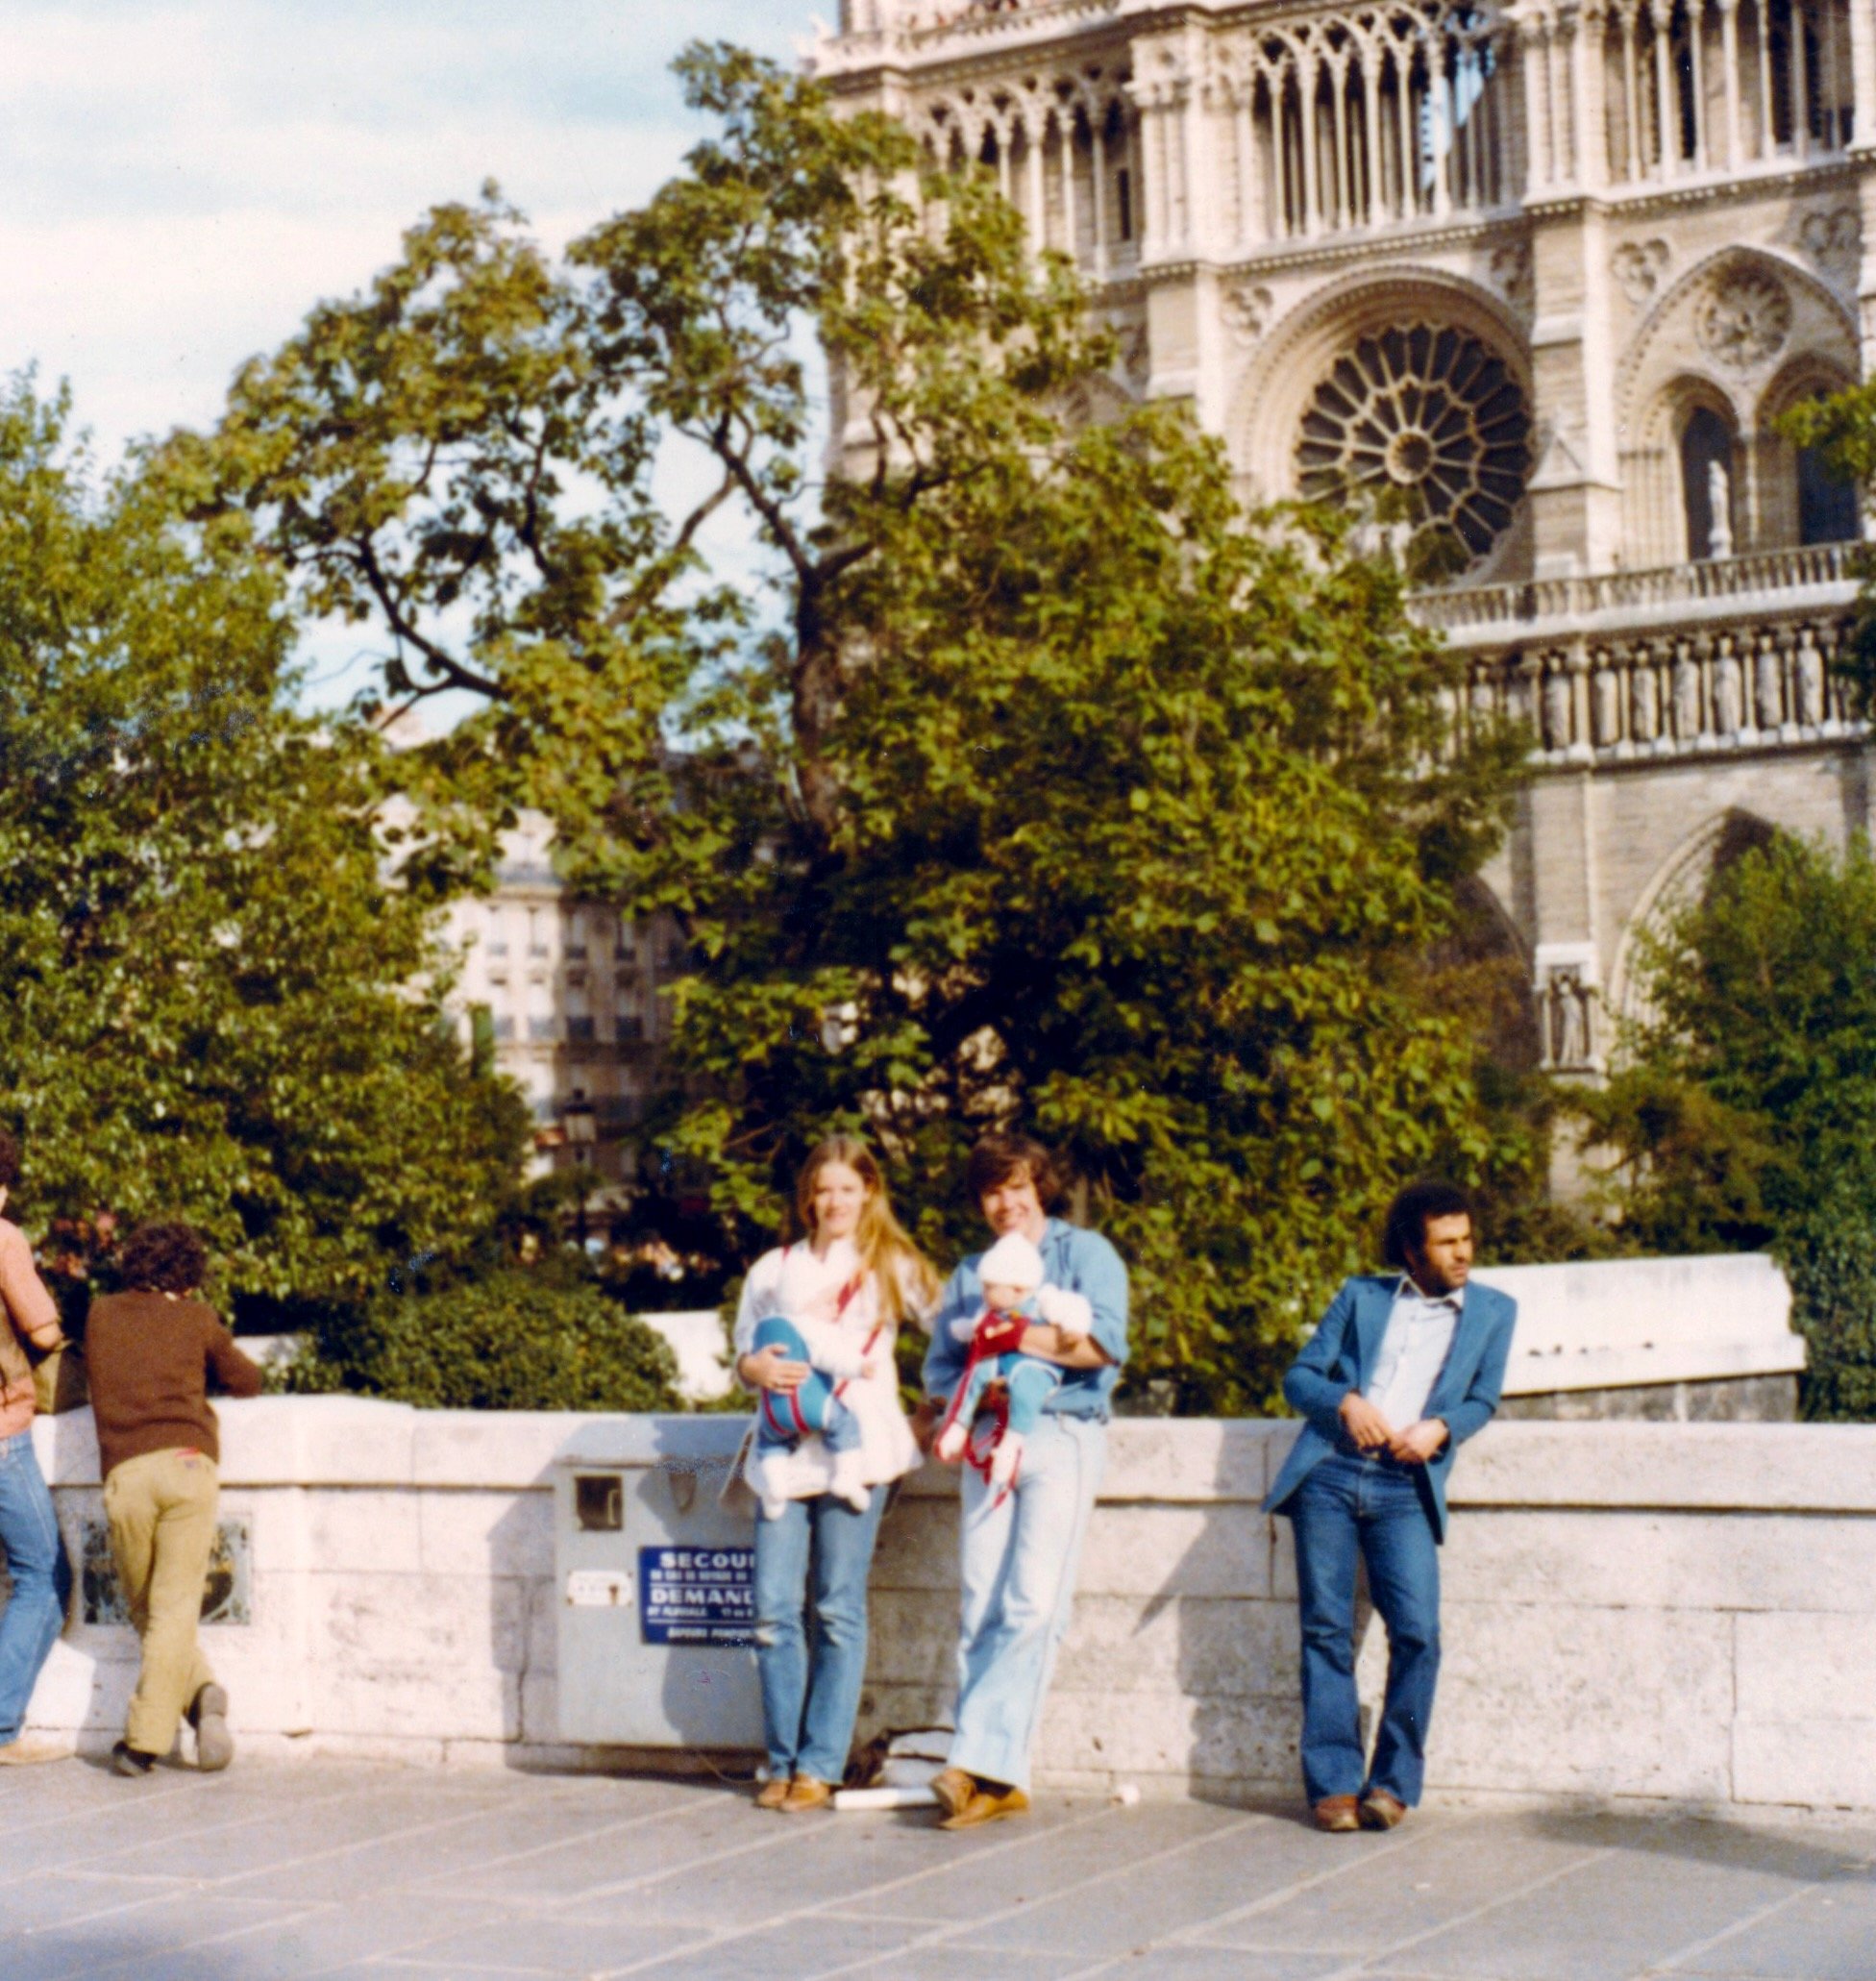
1657, 1611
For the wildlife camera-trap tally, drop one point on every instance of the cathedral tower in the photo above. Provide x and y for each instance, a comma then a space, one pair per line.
1547, 273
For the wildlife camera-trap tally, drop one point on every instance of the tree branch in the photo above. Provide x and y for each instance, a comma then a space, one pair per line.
452, 671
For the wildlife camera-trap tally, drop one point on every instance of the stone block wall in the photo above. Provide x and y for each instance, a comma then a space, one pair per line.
1666, 1612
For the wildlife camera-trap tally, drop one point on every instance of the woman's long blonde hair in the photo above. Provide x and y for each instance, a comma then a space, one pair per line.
904, 1277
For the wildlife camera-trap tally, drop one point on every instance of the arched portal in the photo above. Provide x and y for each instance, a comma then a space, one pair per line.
1683, 879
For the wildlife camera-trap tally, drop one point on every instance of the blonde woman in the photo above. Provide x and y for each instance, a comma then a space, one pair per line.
857, 1276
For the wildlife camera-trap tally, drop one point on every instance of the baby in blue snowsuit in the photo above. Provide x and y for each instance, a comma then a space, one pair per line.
805, 1325
1011, 1273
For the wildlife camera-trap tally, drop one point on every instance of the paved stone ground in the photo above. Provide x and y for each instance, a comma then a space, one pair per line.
326, 1867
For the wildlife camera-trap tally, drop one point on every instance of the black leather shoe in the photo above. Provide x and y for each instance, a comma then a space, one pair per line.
125, 1759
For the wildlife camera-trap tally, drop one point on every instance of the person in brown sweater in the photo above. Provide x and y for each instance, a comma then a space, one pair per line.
149, 1353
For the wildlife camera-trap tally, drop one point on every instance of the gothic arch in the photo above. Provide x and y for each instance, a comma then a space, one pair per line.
1795, 504
1492, 963
1747, 351
1678, 883
1728, 332
1279, 385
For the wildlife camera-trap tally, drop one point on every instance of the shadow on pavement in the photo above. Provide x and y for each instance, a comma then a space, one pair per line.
1722, 1842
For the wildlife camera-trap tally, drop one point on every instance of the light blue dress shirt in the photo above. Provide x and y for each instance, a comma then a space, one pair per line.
1413, 1352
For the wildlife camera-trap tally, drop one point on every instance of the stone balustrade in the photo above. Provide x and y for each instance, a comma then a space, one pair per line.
1687, 693
1817, 574
1634, 1612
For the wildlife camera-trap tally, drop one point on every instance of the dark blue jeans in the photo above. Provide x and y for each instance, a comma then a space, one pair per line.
41, 1575
1369, 1509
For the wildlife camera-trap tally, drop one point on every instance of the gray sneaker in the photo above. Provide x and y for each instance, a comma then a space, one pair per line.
215, 1745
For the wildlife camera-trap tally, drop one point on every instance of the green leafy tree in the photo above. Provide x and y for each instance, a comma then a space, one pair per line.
1040, 780
215, 1004
1749, 1114
511, 1339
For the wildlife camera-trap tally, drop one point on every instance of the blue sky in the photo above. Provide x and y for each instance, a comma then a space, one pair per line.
178, 183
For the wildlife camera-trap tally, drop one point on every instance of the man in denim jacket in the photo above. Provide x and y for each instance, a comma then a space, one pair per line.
1405, 1366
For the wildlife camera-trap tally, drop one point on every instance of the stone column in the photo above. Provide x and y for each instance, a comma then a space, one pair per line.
1540, 146
1729, 42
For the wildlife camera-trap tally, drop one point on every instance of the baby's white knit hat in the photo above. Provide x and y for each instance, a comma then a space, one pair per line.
1012, 1262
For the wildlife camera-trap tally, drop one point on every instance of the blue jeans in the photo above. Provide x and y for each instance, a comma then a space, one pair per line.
1370, 1508
1020, 1554
41, 1575
811, 1676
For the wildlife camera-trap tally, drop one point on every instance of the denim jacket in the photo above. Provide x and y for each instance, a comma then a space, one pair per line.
1082, 1261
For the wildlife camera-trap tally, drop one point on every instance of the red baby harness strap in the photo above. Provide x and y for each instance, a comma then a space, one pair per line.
798, 1425
995, 1334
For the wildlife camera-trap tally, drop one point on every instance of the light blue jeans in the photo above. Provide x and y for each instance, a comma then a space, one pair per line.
41, 1579
1020, 1553
812, 1671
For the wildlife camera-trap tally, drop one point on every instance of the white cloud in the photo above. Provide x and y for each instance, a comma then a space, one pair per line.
180, 182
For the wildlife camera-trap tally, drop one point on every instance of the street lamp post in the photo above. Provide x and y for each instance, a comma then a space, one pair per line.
580, 1126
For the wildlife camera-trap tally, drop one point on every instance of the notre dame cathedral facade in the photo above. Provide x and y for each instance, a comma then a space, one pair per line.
1550, 271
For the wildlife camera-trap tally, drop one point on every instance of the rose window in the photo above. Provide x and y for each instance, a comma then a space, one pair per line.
1431, 429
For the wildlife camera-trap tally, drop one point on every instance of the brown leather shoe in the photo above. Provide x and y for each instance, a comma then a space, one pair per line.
1338, 1813
1381, 1811
953, 1787
806, 1793
29, 1752
986, 1807
772, 1792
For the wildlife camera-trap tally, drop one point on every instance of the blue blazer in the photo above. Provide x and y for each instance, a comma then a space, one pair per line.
1339, 1357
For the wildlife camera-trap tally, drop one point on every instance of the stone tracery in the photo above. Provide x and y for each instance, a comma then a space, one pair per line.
1429, 413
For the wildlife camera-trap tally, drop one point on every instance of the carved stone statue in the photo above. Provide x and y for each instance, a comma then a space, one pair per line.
1808, 680
1607, 696
1687, 694
1643, 699
1556, 707
1719, 500
1568, 998
1769, 684
1729, 690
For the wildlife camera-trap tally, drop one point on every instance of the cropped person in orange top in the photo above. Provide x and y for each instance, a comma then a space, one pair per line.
29, 1532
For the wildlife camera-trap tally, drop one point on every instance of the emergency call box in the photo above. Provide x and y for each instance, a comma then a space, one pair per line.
654, 1587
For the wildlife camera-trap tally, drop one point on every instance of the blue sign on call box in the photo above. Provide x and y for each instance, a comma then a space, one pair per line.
697, 1595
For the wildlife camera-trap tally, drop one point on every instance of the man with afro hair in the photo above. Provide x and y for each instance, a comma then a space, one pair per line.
150, 1351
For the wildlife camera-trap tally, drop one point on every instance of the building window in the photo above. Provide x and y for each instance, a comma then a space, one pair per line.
1123, 201
503, 1028
536, 935
628, 1025
579, 1030
577, 936
541, 1029
1707, 485
1429, 420
1827, 508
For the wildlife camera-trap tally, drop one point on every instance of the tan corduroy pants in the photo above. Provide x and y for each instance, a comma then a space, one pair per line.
162, 1510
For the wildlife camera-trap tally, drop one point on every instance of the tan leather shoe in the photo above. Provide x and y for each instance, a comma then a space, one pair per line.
25, 1752
806, 1793
986, 1807
1338, 1813
772, 1792
953, 1787
1381, 1811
